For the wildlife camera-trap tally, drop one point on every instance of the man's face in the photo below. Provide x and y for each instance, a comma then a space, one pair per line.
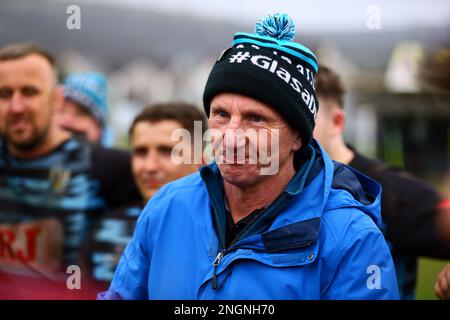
73, 117
27, 98
324, 130
151, 161
233, 113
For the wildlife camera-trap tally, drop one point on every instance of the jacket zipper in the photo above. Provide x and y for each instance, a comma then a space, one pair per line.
223, 251
215, 264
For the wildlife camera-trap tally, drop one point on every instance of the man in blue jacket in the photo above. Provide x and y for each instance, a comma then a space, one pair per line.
290, 225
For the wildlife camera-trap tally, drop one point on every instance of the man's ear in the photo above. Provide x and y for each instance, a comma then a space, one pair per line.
297, 143
338, 120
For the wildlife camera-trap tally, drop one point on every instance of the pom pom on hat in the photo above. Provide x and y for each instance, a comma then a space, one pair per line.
279, 26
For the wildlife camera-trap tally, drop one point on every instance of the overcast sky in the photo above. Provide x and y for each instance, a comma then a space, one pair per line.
311, 15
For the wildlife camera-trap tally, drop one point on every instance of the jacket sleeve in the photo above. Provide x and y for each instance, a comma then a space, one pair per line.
365, 270
130, 280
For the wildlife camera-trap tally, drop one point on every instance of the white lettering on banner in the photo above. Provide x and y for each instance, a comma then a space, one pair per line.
35, 244
271, 65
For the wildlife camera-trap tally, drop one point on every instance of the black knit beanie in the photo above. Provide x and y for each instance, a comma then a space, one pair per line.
269, 67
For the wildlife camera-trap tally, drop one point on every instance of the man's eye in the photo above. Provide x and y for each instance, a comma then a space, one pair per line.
256, 118
5, 93
221, 113
140, 152
167, 151
81, 112
29, 91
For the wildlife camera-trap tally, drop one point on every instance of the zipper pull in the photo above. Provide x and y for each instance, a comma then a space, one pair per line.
218, 258
215, 264
214, 280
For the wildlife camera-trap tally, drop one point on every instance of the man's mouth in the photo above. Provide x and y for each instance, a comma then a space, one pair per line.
19, 124
235, 159
152, 183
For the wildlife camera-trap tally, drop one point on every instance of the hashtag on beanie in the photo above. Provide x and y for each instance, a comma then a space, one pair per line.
268, 66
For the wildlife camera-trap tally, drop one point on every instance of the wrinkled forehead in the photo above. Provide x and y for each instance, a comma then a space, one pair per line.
32, 69
242, 104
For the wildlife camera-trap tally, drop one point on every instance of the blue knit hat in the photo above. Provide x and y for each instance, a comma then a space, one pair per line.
269, 66
90, 90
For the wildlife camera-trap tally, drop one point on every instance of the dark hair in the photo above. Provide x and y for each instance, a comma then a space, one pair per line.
22, 49
182, 112
329, 85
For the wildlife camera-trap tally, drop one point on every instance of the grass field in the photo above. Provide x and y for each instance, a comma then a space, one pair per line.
427, 274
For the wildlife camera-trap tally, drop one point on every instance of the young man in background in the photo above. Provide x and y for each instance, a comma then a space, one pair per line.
416, 217
152, 167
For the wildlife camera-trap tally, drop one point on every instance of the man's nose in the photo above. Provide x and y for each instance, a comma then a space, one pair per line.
234, 133
235, 123
152, 162
16, 103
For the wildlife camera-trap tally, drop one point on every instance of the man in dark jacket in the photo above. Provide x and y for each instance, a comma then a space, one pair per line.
414, 213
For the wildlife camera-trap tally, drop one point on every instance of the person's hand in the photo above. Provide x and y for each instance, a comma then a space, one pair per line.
442, 286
